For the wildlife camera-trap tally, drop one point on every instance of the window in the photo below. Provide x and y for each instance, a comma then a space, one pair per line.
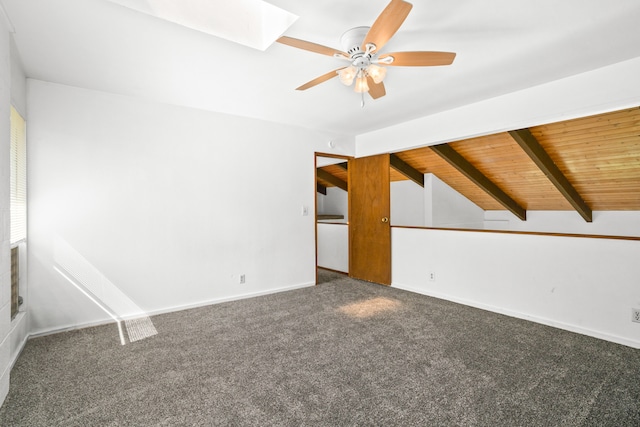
18, 200
18, 178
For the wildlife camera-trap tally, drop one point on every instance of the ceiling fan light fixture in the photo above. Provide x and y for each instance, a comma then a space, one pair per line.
376, 73
347, 75
361, 84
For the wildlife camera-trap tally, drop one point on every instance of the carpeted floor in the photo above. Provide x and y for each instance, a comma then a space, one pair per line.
325, 275
344, 353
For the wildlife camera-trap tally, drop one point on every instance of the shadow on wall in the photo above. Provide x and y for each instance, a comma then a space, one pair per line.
72, 266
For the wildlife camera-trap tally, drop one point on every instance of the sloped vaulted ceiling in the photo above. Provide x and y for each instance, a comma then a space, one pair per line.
598, 155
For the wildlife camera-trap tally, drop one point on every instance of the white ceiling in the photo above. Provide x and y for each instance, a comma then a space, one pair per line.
261, 22
501, 45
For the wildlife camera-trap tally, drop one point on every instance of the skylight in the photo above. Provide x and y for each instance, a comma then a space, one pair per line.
253, 23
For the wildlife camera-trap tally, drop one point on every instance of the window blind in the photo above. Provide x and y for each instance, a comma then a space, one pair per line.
18, 205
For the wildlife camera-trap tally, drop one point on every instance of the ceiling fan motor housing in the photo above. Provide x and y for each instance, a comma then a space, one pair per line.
352, 39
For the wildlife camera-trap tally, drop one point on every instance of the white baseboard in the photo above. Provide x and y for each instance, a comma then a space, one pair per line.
172, 309
229, 298
17, 354
45, 332
544, 321
21, 317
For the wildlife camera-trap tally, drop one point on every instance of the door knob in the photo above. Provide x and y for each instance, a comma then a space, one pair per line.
385, 219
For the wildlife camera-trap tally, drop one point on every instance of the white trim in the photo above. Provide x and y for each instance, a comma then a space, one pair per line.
544, 321
17, 243
230, 298
54, 331
21, 316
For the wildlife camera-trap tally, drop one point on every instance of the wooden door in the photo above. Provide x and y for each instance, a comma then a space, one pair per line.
369, 226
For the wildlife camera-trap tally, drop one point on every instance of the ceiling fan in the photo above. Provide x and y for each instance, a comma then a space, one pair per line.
362, 47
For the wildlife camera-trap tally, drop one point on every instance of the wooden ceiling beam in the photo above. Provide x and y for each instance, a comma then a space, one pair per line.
327, 177
541, 158
321, 189
470, 171
406, 169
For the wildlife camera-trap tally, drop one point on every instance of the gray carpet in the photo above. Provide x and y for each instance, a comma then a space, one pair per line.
339, 354
325, 275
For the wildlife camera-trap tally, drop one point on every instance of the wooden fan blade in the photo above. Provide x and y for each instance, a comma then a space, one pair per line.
376, 90
387, 23
323, 78
419, 59
313, 47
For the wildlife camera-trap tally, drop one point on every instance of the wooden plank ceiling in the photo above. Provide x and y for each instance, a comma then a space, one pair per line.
585, 164
337, 171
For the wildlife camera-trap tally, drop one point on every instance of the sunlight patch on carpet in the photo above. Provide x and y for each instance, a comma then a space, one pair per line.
86, 278
140, 328
370, 307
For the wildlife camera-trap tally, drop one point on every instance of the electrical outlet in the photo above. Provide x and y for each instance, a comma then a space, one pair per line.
432, 276
241, 279
635, 315
305, 211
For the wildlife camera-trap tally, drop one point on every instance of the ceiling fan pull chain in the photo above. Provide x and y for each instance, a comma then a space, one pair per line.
362, 100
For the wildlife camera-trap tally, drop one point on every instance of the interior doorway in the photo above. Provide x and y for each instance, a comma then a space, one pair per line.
331, 214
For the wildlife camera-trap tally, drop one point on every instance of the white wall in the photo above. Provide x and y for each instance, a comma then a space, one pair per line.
5, 254
407, 204
335, 202
333, 246
13, 333
580, 284
435, 205
18, 82
445, 207
168, 204
333, 238
320, 202
608, 223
